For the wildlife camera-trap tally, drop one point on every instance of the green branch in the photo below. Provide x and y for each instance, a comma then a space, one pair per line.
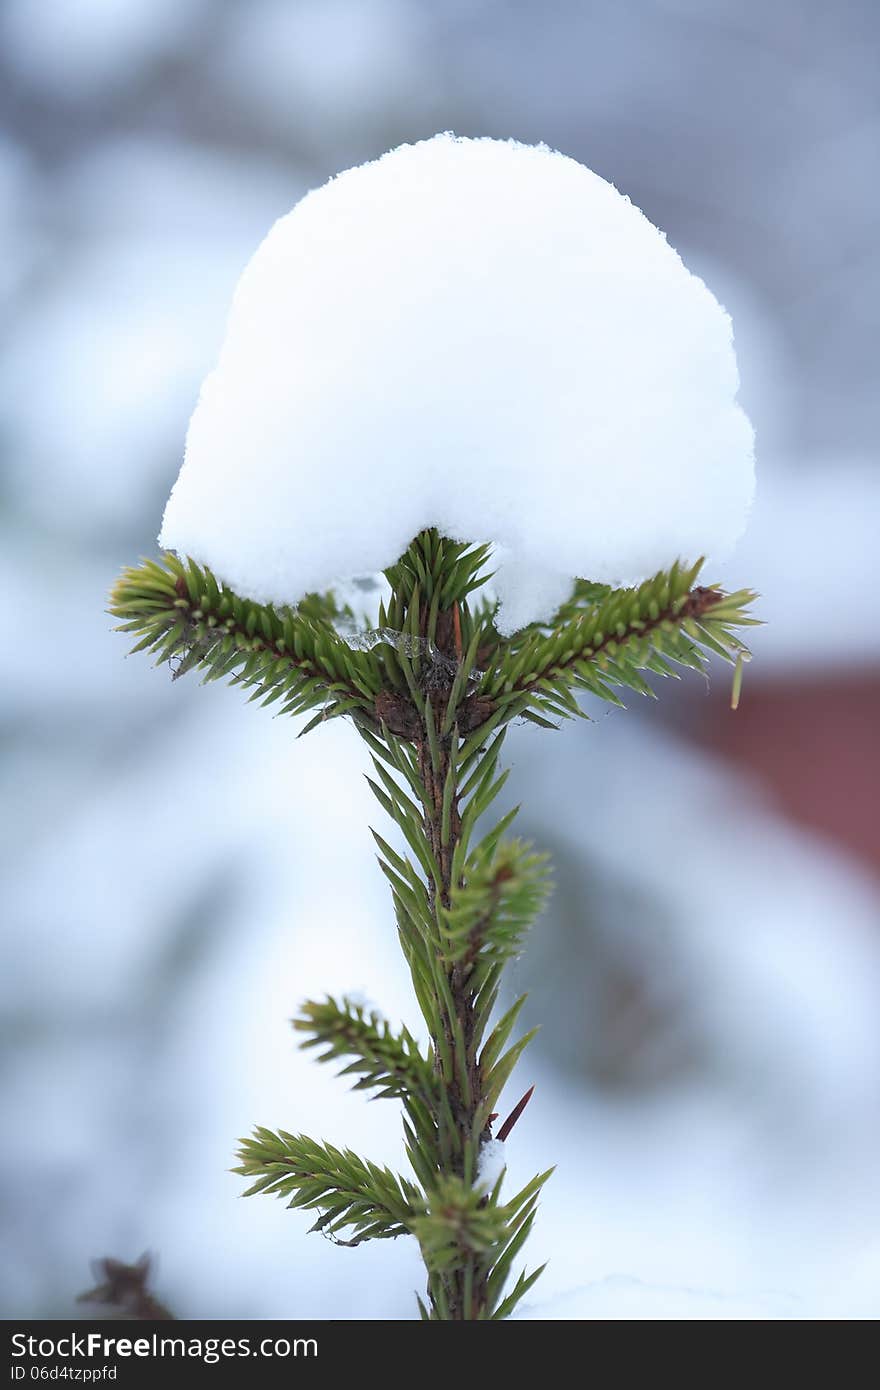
187, 618
390, 1064
492, 907
607, 642
466, 1229
349, 1192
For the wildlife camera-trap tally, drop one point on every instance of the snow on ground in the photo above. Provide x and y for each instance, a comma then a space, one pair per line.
746, 1191
473, 334
750, 1179
620, 1299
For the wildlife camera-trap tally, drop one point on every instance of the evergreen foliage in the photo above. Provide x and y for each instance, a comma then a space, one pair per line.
431, 690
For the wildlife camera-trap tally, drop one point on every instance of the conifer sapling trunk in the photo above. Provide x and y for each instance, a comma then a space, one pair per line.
432, 699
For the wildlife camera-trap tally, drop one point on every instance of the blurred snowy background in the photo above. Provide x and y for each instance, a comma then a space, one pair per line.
177, 874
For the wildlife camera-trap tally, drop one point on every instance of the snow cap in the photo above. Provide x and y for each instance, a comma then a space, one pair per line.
476, 335
491, 1163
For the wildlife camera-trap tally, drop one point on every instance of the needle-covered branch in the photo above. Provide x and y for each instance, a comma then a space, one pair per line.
607, 638
348, 1192
466, 1227
186, 617
492, 907
388, 1063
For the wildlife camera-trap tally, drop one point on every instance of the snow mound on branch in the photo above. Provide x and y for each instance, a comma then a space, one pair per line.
476, 335
492, 1162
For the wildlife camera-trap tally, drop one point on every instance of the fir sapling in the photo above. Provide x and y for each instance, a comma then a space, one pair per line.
473, 374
